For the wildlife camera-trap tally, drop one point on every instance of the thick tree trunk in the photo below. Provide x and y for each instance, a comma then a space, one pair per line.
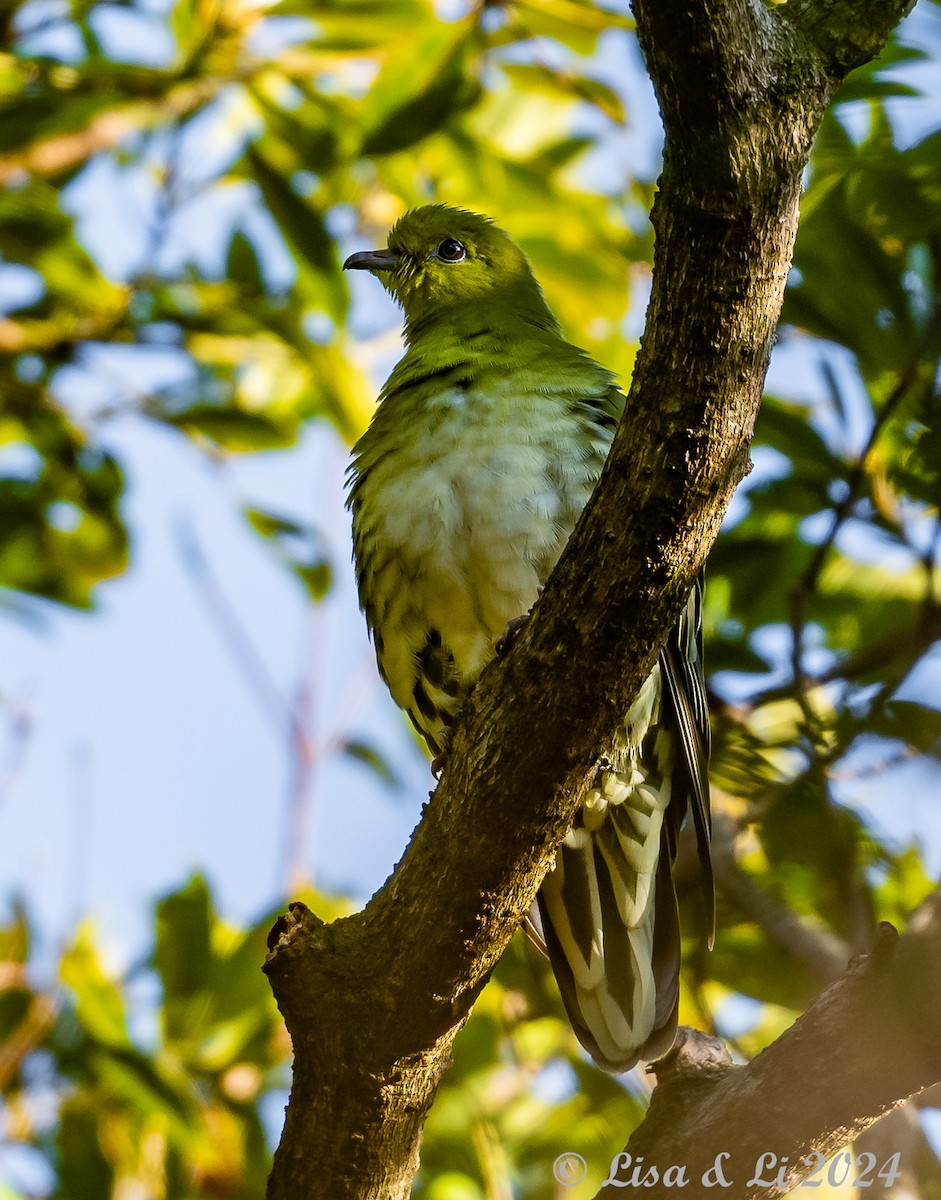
373, 1002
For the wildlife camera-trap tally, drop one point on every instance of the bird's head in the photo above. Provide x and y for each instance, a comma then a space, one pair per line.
441, 259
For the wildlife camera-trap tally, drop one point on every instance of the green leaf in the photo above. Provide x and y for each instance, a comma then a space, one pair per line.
317, 578
298, 546
370, 757
242, 266
816, 851
745, 961
306, 233
787, 427
760, 566
315, 136
566, 151
863, 603
271, 525
574, 23
137, 1081
418, 93
240, 991
905, 885
541, 78
15, 936
84, 1171
865, 82
183, 949
99, 1003
356, 25
235, 429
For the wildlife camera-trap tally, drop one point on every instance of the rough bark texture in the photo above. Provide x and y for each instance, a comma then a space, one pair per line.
871, 1039
373, 1002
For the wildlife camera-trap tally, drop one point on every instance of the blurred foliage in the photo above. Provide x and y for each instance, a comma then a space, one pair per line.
248, 146
168, 1079
146, 1083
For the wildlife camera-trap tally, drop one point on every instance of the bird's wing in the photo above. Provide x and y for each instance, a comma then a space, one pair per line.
687, 705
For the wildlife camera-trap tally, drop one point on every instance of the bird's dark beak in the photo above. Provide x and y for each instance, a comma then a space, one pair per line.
371, 260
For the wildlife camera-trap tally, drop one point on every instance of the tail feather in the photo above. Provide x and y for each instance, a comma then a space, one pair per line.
608, 908
630, 841
573, 913
608, 914
665, 961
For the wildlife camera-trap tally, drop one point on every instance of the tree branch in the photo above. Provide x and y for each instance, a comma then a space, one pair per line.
704, 1106
373, 1002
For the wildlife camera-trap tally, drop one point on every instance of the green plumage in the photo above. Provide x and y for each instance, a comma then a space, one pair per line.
489, 437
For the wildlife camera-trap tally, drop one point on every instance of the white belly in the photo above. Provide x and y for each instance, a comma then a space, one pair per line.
473, 510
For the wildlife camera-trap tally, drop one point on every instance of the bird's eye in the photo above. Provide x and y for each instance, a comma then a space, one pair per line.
451, 251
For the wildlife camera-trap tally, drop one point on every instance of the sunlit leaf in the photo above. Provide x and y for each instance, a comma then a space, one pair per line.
99, 1004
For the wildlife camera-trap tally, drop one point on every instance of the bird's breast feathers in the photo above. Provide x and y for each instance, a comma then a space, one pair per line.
460, 512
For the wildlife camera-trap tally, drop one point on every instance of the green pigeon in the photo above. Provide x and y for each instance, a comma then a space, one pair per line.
489, 437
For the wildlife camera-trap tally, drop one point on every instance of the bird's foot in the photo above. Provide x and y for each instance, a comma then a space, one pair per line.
443, 739
510, 634
513, 629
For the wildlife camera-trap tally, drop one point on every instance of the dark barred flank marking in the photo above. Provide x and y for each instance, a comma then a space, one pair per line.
600, 409
431, 659
436, 664
425, 705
